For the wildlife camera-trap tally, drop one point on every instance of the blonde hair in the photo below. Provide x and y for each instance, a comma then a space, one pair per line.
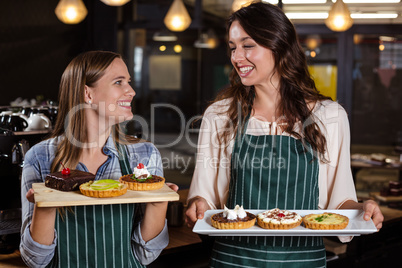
85, 69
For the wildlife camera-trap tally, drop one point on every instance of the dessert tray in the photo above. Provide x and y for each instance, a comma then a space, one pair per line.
357, 226
47, 197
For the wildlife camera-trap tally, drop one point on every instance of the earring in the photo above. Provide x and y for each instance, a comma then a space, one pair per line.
89, 102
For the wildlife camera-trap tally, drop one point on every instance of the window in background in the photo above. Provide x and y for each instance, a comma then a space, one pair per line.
377, 90
321, 52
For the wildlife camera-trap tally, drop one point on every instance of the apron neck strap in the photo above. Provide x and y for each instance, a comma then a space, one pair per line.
123, 159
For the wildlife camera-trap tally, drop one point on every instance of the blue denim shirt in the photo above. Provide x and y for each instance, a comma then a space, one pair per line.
37, 165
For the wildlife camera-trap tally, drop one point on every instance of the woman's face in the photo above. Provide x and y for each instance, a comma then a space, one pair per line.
253, 62
112, 93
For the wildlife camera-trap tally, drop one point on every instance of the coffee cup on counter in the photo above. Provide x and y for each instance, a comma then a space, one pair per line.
38, 121
16, 122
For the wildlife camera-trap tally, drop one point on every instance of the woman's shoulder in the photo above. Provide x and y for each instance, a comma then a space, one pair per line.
43, 150
218, 107
328, 110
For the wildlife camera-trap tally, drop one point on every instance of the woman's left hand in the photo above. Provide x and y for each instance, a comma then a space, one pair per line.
372, 210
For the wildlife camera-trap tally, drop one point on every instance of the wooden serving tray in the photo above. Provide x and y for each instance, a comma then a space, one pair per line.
47, 197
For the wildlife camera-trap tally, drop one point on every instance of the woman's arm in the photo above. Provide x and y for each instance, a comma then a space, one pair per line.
38, 237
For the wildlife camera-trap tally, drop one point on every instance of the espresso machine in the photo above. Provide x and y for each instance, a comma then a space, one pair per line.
13, 147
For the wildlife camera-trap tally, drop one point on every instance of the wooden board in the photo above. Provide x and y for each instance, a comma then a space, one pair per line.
47, 197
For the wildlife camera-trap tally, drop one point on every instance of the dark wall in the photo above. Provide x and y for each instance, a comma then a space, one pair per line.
36, 47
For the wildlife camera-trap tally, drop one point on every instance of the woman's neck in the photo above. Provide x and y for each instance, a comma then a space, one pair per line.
266, 104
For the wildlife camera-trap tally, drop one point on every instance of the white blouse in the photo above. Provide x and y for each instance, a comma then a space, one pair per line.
212, 171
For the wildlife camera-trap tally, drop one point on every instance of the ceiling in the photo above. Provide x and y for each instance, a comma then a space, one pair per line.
222, 8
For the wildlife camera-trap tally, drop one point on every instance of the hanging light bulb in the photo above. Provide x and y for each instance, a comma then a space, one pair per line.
177, 18
339, 19
115, 2
71, 11
237, 4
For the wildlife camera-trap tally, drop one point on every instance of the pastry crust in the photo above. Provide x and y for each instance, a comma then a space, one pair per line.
232, 224
325, 221
280, 226
86, 190
278, 219
142, 186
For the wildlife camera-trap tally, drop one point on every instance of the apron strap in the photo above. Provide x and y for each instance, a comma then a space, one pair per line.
123, 159
126, 170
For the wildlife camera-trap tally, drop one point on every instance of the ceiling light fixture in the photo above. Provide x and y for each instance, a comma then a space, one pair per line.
164, 36
339, 19
374, 15
207, 40
302, 15
237, 4
369, 1
115, 2
304, 2
177, 18
71, 11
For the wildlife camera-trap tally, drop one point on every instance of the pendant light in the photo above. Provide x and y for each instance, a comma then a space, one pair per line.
115, 2
237, 4
71, 11
339, 19
177, 18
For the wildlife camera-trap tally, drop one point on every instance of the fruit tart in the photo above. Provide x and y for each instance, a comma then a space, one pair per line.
235, 218
278, 219
103, 188
142, 180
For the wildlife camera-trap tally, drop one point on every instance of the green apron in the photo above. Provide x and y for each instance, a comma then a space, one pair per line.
97, 236
271, 171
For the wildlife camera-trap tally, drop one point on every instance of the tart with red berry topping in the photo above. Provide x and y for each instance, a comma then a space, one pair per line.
325, 221
278, 219
67, 180
103, 188
235, 218
142, 180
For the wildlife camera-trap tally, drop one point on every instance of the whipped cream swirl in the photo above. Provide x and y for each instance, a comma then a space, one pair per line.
233, 214
141, 171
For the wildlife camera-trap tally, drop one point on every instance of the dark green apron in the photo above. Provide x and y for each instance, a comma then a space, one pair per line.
271, 171
97, 236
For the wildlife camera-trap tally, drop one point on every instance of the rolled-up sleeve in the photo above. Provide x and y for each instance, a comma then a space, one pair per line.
147, 252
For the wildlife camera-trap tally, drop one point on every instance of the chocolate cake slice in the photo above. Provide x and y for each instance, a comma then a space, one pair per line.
70, 182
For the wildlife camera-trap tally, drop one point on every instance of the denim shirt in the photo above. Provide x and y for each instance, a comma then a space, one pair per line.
37, 165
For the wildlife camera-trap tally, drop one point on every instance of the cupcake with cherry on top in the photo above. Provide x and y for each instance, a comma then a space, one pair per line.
142, 180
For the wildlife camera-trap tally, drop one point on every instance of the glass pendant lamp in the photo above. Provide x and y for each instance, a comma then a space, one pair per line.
177, 18
115, 2
339, 19
71, 11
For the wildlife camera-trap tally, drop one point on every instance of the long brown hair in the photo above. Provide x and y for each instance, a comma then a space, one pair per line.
85, 69
270, 28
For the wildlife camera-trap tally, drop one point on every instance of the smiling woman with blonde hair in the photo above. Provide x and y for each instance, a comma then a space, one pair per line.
95, 97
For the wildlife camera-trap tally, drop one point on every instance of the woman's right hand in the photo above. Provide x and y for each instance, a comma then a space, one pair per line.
30, 196
195, 210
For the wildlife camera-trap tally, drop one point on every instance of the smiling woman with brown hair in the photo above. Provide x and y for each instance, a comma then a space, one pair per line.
95, 97
271, 140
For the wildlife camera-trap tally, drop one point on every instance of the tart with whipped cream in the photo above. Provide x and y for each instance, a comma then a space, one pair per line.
235, 218
325, 221
142, 180
278, 219
103, 188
